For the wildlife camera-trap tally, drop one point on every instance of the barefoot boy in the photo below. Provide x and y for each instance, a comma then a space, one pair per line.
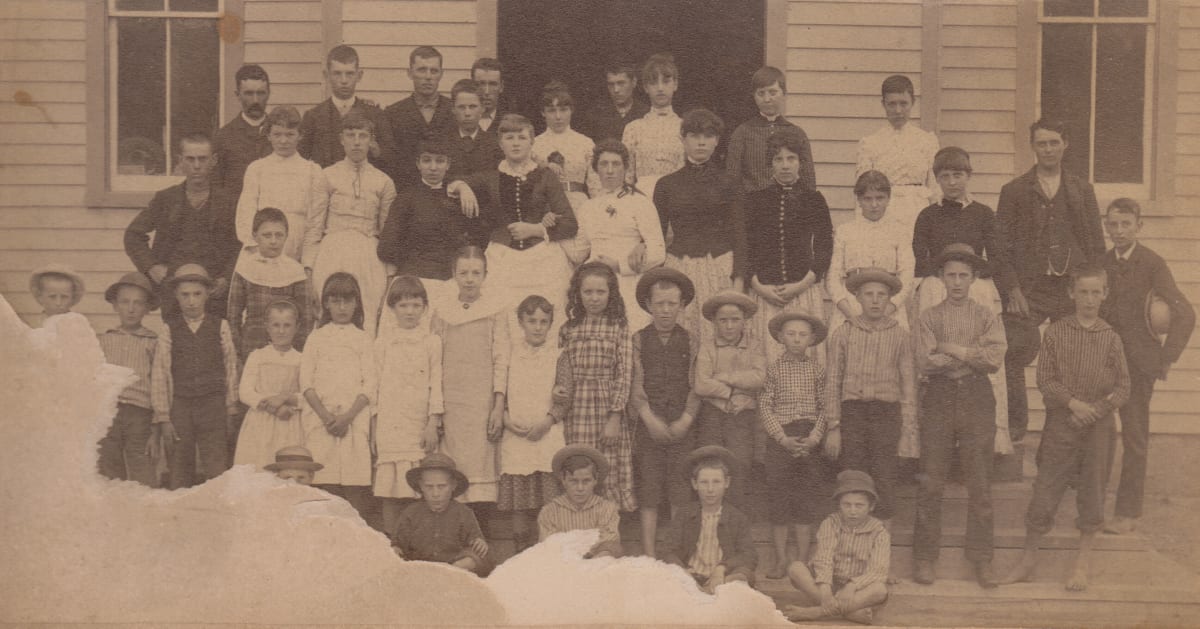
848, 577
1083, 378
580, 469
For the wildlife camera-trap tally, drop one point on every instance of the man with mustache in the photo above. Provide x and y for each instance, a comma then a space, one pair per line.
243, 140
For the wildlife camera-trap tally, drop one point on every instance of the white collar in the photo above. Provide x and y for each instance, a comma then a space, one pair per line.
472, 135
519, 172
655, 112
1128, 252
252, 123
343, 104
276, 272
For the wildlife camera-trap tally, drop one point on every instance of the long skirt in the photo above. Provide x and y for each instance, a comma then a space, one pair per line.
711, 276
811, 301
542, 269
354, 253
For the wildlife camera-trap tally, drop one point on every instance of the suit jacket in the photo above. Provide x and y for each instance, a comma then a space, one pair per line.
733, 535
235, 145
547, 196
408, 125
603, 121
468, 156
321, 131
1020, 221
210, 240
1125, 309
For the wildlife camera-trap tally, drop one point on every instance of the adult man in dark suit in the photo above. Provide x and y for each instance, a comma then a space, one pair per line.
321, 128
422, 112
243, 139
1134, 271
486, 72
607, 119
1047, 223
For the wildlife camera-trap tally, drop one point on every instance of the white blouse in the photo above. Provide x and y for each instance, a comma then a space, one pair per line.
654, 144
616, 222
864, 243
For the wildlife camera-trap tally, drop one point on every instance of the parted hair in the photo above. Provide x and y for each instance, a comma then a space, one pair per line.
269, 215
786, 138
659, 66
285, 116
898, 84
767, 76
952, 158
703, 122
424, 52
872, 180
342, 54
576, 312
406, 287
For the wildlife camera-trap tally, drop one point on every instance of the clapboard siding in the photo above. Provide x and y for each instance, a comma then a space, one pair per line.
286, 38
385, 32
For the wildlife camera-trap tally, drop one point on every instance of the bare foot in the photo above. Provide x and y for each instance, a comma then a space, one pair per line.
864, 616
796, 612
893, 579
1078, 581
1021, 573
779, 571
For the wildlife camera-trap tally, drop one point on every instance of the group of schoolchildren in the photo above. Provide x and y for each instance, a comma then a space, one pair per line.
618, 365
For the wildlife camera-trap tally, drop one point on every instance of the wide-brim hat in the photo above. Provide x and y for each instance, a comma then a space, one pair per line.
293, 458
133, 278
960, 252
664, 274
1158, 314
598, 460
819, 329
77, 289
855, 280
727, 298
190, 272
437, 461
704, 453
855, 480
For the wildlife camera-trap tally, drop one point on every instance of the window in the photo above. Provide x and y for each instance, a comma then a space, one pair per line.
1095, 75
164, 81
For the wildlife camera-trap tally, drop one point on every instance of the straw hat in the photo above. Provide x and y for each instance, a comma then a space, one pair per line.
598, 460
855, 480
819, 329
295, 458
960, 252
664, 274
699, 455
190, 272
873, 274
35, 280
726, 298
133, 278
437, 461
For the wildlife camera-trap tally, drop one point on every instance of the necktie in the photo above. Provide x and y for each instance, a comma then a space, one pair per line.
952, 205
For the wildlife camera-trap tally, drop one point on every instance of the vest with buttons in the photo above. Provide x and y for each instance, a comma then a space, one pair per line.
197, 363
665, 367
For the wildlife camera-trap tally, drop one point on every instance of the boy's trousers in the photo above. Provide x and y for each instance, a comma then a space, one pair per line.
200, 423
870, 436
735, 432
123, 450
1067, 451
1135, 440
959, 410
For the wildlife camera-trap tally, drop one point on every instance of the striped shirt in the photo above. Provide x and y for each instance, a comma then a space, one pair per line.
162, 386
1086, 364
708, 549
743, 364
866, 362
965, 324
858, 556
793, 390
747, 154
560, 515
136, 351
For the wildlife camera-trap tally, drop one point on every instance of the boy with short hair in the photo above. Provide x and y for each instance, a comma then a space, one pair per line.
1083, 378
608, 117
487, 74
730, 369
959, 343
581, 469
194, 383
711, 539
748, 143
56, 288
439, 528
123, 451
472, 150
848, 575
320, 131
422, 112
872, 385
294, 463
1137, 278
661, 400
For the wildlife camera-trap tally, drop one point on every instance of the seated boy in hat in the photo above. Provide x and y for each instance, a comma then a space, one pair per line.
730, 368
791, 406
711, 539
581, 469
959, 342
194, 383
1083, 377
124, 450
871, 385
661, 397
438, 528
56, 288
848, 575
294, 463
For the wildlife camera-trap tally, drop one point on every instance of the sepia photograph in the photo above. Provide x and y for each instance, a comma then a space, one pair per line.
600, 313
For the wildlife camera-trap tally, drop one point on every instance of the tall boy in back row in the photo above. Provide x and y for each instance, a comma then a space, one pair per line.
1135, 275
321, 129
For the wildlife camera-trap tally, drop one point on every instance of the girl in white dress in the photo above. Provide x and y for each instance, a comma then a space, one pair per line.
621, 227
270, 386
337, 377
565, 151
409, 363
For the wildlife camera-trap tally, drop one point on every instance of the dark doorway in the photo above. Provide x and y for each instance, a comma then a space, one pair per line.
717, 45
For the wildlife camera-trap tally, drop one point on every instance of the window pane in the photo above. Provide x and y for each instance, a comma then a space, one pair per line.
209, 6
1062, 8
139, 5
1066, 87
141, 96
1124, 8
195, 77
1120, 102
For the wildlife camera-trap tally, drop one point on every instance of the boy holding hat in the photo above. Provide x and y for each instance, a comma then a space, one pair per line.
56, 288
124, 451
661, 397
581, 469
294, 463
194, 383
791, 406
730, 368
848, 576
439, 528
959, 342
711, 539
872, 385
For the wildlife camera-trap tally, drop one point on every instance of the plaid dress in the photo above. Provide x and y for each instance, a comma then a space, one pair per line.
600, 354
247, 312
